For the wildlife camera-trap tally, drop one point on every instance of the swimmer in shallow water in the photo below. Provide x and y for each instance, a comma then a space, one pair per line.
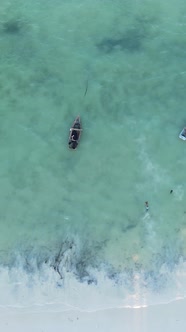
147, 205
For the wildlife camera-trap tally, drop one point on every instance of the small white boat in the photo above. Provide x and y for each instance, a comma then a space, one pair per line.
182, 135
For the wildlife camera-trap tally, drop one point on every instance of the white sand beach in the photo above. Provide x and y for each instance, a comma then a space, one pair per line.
166, 317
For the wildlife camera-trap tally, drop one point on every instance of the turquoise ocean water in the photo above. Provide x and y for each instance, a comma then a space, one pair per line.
73, 227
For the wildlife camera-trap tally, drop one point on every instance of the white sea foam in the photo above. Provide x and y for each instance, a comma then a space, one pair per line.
179, 192
32, 288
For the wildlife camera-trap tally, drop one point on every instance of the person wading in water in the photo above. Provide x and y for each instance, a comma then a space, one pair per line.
147, 205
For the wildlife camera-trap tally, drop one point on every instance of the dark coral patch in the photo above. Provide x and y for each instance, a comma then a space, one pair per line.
130, 41
12, 27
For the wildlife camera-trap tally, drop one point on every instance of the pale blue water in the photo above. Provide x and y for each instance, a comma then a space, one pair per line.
80, 215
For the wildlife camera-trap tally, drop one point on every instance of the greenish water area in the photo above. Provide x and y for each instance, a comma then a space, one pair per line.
75, 222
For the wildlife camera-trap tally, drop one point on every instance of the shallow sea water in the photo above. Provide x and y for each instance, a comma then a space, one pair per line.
73, 223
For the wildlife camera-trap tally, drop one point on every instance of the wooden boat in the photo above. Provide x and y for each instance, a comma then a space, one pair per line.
182, 135
75, 133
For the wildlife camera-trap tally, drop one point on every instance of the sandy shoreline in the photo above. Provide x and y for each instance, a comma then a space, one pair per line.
165, 317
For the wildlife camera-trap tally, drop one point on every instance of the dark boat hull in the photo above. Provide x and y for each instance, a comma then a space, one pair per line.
75, 134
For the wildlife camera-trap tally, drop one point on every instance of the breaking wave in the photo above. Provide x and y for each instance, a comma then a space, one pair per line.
76, 276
